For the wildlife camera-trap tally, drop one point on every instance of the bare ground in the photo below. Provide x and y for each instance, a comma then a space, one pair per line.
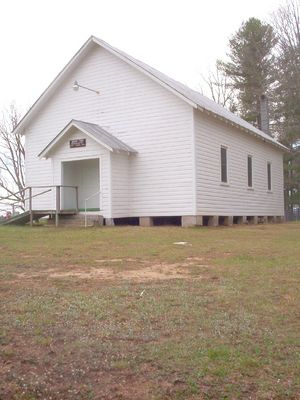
130, 315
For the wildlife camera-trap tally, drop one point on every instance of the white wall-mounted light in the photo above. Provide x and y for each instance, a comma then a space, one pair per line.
76, 87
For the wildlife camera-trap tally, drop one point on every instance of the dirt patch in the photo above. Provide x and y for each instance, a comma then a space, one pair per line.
145, 272
116, 260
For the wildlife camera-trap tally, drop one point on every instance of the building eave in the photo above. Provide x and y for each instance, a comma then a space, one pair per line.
270, 141
44, 154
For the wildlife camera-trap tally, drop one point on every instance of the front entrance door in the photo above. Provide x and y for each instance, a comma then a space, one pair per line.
85, 175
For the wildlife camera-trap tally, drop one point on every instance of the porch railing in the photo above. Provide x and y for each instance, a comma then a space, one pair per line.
14, 205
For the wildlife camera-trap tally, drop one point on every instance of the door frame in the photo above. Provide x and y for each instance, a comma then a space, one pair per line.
99, 158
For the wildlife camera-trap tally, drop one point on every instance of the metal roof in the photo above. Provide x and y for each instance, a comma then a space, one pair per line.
96, 132
101, 135
194, 98
202, 102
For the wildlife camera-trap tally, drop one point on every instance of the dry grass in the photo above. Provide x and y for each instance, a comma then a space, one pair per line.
123, 313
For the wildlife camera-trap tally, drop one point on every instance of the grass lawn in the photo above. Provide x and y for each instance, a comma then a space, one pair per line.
124, 313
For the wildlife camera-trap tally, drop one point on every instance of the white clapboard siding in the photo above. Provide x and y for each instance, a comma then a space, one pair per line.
137, 110
213, 198
120, 184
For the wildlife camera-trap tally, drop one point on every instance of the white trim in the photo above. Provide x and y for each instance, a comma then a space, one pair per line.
110, 187
100, 185
53, 180
99, 158
223, 146
80, 158
271, 177
56, 140
194, 165
236, 125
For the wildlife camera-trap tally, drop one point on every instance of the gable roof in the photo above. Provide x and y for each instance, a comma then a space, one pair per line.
95, 132
192, 97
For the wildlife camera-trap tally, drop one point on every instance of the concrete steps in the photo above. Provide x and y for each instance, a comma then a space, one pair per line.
77, 220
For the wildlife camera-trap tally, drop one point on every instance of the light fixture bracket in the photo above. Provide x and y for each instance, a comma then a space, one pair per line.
76, 87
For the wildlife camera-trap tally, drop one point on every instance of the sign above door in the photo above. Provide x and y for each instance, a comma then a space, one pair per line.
77, 143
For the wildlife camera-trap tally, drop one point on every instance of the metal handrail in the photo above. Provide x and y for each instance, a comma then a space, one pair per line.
35, 187
51, 186
35, 195
26, 198
85, 206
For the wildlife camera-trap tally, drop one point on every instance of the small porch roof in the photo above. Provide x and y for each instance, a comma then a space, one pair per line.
95, 132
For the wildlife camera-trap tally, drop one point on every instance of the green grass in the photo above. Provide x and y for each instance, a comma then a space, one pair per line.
226, 328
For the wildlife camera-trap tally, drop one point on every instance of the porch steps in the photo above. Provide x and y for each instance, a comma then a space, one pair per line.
20, 219
24, 218
66, 219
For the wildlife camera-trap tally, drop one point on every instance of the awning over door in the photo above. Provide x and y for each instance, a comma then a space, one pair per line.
94, 131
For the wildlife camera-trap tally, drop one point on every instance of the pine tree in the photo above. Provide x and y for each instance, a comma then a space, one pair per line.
286, 23
251, 67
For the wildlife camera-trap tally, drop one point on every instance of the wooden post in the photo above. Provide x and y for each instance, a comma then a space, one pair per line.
77, 201
57, 210
30, 206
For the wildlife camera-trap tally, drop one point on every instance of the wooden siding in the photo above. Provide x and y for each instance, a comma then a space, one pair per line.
215, 198
120, 185
138, 111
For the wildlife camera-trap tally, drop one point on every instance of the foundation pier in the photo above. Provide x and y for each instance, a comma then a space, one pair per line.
146, 221
213, 220
228, 221
109, 222
253, 220
191, 220
99, 221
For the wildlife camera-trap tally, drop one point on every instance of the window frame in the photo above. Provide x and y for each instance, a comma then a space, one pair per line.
269, 176
224, 148
250, 176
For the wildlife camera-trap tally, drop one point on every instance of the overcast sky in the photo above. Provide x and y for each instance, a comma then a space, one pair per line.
182, 38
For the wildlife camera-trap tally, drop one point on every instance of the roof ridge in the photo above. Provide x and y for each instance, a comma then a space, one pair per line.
85, 122
227, 114
191, 96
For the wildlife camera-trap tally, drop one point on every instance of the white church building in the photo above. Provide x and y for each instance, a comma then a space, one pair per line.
122, 140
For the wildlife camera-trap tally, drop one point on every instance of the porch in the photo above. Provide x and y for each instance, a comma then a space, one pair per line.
61, 195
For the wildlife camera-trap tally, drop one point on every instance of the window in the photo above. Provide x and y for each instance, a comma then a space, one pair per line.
224, 164
250, 171
269, 173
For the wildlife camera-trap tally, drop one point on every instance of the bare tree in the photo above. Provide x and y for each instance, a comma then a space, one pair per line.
220, 88
286, 22
12, 156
